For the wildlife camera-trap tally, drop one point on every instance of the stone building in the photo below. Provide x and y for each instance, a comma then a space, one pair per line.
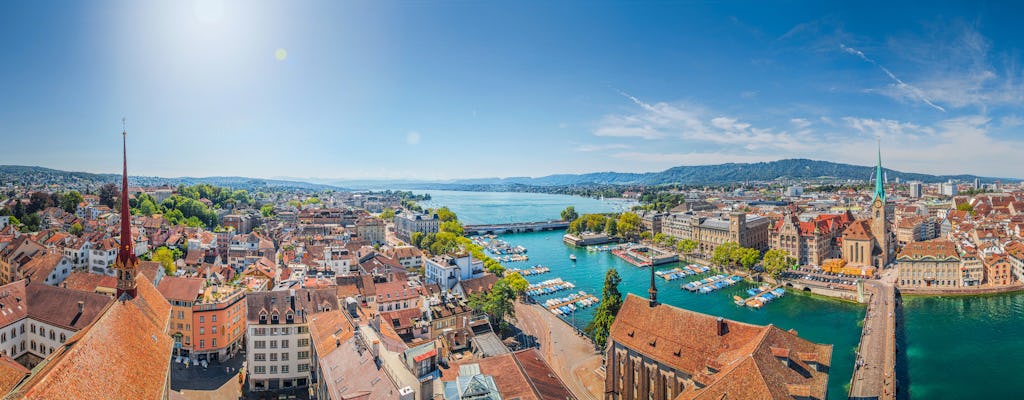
810, 242
702, 356
930, 264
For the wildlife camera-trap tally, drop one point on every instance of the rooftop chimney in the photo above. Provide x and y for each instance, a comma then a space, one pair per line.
722, 327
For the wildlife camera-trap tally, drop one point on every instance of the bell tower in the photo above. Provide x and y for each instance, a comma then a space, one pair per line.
126, 263
879, 215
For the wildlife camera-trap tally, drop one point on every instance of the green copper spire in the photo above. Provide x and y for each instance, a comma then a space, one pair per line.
879, 184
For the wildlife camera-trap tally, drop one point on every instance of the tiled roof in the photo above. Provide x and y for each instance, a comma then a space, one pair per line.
742, 353
858, 230
305, 302
328, 329
41, 266
88, 282
10, 373
181, 289
934, 249
520, 375
483, 283
122, 355
59, 306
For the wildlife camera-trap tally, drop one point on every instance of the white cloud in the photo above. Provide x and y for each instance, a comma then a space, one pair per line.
900, 86
800, 123
694, 123
412, 138
692, 158
888, 129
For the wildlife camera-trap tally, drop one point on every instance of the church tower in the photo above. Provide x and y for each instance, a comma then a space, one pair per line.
126, 263
879, 216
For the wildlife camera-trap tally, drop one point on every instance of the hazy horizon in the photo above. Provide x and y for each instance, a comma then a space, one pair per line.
452, 90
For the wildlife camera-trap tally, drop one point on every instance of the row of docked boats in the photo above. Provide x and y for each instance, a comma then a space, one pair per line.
514, 258
571, 303
712, 283
535, 270
760, 296
680, 272
498, 247
549, 286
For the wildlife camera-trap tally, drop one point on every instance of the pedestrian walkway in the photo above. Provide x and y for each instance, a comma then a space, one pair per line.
874, 375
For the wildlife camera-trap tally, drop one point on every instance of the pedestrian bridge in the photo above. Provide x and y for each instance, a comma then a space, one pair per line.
515, 227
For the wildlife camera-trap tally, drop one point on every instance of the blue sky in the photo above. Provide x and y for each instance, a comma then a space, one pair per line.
459, 89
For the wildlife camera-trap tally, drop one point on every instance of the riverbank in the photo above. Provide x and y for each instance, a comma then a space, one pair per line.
982, 291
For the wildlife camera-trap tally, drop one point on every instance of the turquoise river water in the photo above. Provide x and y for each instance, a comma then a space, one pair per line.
955, 347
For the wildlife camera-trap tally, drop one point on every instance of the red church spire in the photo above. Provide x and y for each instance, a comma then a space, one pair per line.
126, 264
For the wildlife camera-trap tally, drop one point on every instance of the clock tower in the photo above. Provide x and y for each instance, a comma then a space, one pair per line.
880, 217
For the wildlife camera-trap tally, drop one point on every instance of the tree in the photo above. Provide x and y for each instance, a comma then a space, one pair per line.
453, 227
446, 215
165, 257
416, 239
629, 225
388, 214
569, 214
267, 210
659, 238
687, 246
965, 206
517, 283
611, 228
748, 257
611, 302
31, 222
108, 195
498, 303
722, 255
76, 229
70, 201
776, 261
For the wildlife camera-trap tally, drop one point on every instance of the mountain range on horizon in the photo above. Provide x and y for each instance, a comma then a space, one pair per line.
795, 169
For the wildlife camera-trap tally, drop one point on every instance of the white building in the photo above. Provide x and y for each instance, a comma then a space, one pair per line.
949, 189
446, 271
277, 336
407, 223
916, 189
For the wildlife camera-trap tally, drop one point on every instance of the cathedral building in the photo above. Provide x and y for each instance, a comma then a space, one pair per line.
870, 242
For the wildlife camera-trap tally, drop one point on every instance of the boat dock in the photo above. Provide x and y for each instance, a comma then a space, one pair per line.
761, 296
570, 304
680, 272
549, 286
536, 270
711, 284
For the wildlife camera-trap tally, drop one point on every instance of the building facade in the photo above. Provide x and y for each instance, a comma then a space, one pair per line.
407, 223
930, 264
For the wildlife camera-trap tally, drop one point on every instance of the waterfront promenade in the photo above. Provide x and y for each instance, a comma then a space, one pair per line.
874, 375
570, 355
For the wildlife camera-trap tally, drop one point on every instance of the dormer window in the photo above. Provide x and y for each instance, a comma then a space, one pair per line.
289, 318
274, 318
263, 317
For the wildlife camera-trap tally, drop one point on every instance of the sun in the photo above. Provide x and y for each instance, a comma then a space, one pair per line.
281, 54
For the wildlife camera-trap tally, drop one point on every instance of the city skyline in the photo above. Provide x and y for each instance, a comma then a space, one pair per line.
323, 90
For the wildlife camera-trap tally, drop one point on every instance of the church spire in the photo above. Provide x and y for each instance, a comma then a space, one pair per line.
126, 263
652, 293
879, 177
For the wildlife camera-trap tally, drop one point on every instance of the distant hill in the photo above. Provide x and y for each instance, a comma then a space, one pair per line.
37, 175
796, 169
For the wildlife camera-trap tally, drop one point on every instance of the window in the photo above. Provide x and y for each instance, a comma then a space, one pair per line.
259, 356
273, 356
263, 318
202, 330
303, 342
284, 369
52, 335
181, 315
33, 345
273, 369
214, 343
273, 318
284, 344
260, 344
202, 344
273, 344
303, 367
214, 318
284, 356
215, 330
202, 319
33, 328
260, 370
303, 355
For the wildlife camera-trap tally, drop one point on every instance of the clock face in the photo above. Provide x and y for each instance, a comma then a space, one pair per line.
878, 203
